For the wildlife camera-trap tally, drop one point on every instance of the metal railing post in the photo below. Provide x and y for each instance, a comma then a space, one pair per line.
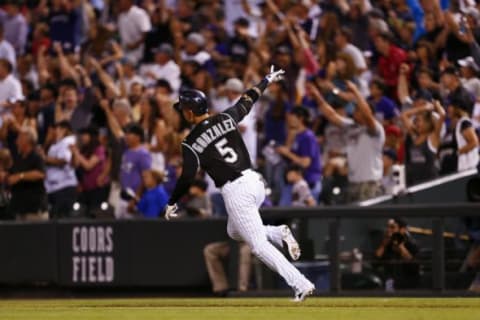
334, 253
438, 255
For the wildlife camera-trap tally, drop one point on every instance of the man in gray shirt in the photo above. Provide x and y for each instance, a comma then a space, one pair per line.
365, 139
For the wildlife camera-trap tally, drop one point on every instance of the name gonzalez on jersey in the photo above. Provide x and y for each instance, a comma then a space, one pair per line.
211, 134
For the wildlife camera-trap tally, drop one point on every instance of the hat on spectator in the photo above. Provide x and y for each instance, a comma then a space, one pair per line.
461, 99
473, 12
393, 130
235, 85
196, 38
468, 62
164, 48
135, 129
391, 154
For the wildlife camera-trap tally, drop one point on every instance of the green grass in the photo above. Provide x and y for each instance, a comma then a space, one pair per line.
259, 308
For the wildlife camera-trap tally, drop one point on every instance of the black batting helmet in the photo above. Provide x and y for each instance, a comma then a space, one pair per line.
194, 100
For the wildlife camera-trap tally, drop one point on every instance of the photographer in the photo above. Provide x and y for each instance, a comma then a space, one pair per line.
396, 255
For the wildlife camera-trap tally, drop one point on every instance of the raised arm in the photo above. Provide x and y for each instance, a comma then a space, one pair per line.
248, 99
325, 108
363, 106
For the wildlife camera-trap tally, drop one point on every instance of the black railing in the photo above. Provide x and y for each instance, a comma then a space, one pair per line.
437, 212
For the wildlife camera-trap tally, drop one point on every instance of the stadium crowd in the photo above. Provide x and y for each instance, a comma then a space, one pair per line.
87, 88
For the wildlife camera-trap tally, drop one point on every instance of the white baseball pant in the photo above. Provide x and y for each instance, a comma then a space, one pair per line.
242, 198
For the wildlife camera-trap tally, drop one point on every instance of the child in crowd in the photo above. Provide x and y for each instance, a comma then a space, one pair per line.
301, 194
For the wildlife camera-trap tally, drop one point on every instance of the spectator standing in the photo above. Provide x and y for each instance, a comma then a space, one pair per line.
15, 26
194, 49
164, 67
422, 142
304, 150
470, 81
385, 108
365, 139
64, 23
7, 51
10, 87
90, 159
6, 163
61, 181
389, 62
26, 180
343, 43
458, 150
14, 122
46, 113
133, 26
135, 160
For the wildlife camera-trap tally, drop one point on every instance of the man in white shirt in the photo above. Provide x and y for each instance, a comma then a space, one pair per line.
6, 49
133, 24
163, 68
469, 70
342, 42
194, 49
10, 87
365, 138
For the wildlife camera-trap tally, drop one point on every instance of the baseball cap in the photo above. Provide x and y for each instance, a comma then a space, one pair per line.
91, 130
235, 85
283, 49
469, 63
393, 130
243, 22
164, 48
196, 38
461, 99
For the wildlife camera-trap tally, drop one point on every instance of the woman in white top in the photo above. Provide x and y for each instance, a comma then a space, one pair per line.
61, 181
459, 148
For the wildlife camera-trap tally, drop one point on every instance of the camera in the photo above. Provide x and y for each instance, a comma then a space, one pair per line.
397, 238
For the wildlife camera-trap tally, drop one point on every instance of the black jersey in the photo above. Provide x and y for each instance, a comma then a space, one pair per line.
219, 147
216, 145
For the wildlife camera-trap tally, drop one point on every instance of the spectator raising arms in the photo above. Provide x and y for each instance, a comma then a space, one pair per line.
424, 129
61, 181
365, 139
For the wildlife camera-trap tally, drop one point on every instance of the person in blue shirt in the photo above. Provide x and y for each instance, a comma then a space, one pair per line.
155, 198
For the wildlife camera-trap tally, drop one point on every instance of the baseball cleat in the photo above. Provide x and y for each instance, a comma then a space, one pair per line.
292, 244
302, 295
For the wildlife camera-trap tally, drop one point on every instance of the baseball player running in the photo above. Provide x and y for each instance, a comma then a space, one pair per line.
215, 144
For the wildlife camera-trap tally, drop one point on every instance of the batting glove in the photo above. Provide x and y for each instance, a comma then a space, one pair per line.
274, 75
170, 212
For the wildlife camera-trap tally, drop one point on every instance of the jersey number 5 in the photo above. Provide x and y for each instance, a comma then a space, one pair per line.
228, 154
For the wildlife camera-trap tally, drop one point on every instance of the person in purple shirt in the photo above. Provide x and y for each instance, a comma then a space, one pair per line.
385, 108
135, 160
305, 150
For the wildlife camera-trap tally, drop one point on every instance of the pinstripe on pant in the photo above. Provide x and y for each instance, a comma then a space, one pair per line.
242, 198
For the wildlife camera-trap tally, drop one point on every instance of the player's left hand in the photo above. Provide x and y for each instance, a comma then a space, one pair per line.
274, 75
170, 212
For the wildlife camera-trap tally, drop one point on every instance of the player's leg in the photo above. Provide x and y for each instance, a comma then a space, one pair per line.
281, 236
245, 219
